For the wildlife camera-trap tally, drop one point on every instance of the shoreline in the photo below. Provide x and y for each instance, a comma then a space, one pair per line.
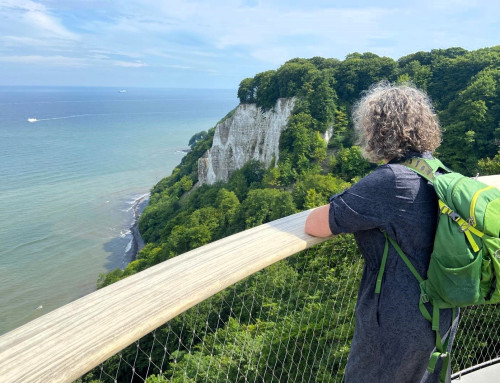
137, 243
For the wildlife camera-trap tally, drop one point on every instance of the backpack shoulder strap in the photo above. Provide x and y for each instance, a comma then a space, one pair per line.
426, 168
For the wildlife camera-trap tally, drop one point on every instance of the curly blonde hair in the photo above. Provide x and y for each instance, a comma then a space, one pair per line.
392, 120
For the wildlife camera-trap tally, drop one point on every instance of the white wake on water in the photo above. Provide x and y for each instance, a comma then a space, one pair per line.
32, 119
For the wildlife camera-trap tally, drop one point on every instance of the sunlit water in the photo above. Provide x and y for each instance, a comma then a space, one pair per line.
69, 178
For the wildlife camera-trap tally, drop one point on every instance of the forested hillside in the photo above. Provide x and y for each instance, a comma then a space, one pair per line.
463, 85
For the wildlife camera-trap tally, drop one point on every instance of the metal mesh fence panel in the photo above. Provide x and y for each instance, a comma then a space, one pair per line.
291, 322
478, 337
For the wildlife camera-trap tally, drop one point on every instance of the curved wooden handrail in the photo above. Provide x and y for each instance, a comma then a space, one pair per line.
66, 343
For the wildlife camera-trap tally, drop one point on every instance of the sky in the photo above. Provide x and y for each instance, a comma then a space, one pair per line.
217, 43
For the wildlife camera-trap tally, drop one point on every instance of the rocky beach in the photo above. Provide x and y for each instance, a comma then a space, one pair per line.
136, 243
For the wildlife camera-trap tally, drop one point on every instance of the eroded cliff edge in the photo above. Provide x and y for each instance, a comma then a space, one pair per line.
249, 134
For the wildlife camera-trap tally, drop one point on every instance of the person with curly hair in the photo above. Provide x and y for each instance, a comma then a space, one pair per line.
392, 340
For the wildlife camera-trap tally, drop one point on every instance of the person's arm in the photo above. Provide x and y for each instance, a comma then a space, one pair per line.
317, 223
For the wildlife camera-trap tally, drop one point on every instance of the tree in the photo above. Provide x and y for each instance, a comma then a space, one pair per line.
349, 163
293, 75
246, 91
300, 144
197, 137
322, 101
227, 203
198, 230
358, 71
257, 207
470, 122
340, 133
423, 58
253, 171
267, 89
489, 166
415, 72
282, 205
318, 187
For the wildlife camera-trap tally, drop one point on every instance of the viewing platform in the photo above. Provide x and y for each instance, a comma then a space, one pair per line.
211, 314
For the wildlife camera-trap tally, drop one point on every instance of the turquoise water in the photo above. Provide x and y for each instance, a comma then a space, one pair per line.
68, 182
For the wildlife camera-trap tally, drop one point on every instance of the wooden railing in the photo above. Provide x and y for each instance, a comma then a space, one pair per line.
66, 343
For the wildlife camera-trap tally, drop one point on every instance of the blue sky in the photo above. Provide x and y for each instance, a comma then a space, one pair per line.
215, 44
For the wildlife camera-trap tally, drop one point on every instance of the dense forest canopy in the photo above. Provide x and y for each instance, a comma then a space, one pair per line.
464, 87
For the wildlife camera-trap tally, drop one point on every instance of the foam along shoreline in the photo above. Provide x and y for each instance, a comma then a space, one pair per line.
137, 242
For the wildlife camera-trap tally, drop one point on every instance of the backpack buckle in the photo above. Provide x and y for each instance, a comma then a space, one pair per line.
496, 254
424, 298
445, 210
464, 226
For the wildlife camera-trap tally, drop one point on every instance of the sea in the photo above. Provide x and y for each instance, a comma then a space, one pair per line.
74, 163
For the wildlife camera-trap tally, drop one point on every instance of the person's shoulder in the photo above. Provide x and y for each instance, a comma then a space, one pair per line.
381, 177
398, 169
403, 172
381, 172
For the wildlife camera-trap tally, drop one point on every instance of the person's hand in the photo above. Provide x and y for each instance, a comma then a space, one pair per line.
317, 223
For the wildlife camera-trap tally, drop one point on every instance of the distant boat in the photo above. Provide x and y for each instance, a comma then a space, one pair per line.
122, 91
32, 120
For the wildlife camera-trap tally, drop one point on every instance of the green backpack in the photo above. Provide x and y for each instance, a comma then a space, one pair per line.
465, 263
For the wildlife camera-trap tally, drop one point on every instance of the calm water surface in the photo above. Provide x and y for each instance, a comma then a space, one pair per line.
68, 182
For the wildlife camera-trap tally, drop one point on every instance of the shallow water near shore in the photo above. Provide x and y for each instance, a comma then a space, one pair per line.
71, 176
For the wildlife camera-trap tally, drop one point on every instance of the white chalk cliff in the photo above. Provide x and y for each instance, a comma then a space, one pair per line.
249, 134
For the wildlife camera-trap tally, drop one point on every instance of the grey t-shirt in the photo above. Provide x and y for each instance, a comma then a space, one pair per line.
392, 340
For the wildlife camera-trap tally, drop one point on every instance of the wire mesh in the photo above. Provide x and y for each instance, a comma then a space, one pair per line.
478, 337
291, 322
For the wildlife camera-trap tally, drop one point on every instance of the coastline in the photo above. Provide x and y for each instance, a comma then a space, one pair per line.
137, 243
59, 222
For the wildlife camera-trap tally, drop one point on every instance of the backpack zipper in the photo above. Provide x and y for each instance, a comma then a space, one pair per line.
452, 187
472, 219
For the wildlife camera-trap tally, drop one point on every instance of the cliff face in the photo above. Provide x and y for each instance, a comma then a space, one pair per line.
249, 134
